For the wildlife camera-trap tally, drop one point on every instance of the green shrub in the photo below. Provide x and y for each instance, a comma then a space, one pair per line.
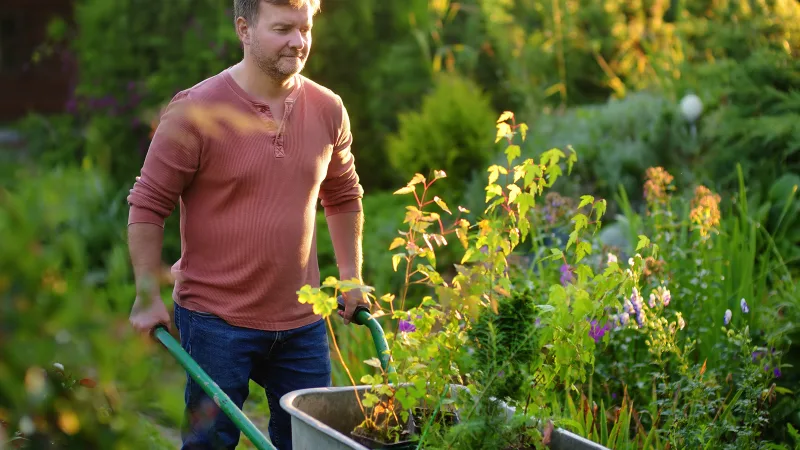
452, 131
752, 118
617, 142
63, 326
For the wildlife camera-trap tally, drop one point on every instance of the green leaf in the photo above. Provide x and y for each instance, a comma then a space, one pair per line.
584, 273
643, 242
600, 209
370, 400
555, 253
585, 200
573, 158
557, 294
554, 171
573, 238
546, 308
584, 248
581, 222
525, 201
524, 227
513, 152
513, 235
368, 379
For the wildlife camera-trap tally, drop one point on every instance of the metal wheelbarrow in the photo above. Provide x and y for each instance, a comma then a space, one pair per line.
361, 316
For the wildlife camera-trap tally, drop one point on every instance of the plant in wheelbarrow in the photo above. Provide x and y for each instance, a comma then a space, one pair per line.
414, 398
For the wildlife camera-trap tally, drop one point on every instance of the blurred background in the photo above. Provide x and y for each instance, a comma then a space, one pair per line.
702, 88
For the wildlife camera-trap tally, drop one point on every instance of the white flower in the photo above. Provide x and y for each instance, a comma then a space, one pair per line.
691, 107
612, 258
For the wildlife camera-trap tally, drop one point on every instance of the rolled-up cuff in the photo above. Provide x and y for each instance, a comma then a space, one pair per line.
345, 207
144, 215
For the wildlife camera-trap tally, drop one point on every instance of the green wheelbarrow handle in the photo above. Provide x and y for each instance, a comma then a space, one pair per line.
361, 316
212, 389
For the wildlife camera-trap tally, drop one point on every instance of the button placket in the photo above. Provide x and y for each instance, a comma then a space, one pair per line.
279, 148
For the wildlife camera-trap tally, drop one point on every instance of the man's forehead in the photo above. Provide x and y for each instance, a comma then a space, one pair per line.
285, 13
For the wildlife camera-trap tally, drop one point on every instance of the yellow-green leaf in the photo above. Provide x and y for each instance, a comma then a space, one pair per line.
581, 222
404, 190
523, 130
442, 204
374, 362
503, 130
513, 152
397, 242
396, 258
505, 116
439, 174
582, 249
467, 255
643, 242
418, 178
513, 192
585, 200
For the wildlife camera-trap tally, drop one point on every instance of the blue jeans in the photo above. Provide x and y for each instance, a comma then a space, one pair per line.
278, 361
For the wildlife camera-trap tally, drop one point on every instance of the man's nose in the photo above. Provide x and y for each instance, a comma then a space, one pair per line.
297, 40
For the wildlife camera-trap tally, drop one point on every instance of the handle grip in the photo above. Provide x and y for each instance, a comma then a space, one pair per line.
360, 316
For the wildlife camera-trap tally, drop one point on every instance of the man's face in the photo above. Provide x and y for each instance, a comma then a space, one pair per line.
280, 40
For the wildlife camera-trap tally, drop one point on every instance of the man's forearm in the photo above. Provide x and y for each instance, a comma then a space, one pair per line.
145, 241
346, 234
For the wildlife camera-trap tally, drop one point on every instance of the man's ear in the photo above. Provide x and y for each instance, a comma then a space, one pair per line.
243, 30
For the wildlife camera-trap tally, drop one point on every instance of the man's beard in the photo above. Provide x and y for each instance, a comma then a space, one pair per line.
271, 65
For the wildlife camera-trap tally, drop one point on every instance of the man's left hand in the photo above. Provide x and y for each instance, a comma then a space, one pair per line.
352, 299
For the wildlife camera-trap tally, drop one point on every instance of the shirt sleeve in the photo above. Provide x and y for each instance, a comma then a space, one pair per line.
341, 190
170, 165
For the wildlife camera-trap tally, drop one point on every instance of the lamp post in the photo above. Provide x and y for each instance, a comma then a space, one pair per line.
691, 108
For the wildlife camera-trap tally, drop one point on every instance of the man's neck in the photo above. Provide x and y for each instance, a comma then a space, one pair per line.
255, 82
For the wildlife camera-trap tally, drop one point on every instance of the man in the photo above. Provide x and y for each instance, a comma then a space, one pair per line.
248, 189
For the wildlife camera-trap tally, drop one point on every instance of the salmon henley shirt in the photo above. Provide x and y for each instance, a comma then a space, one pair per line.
248, 196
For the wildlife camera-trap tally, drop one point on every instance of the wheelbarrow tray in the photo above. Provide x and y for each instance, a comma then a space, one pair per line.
322, 418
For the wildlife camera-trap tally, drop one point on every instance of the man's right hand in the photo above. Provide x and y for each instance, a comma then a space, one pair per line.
149, 312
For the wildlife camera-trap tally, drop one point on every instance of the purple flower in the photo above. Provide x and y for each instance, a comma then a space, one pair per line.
728, 315
756, 355
500, 374
635, 306
613, 395
566, 274
596, 332
777, 372
743, 304
406, 326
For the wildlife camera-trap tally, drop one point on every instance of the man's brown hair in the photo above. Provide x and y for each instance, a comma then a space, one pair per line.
249, 8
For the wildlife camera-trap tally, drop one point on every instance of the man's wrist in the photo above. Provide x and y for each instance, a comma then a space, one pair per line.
347, 275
